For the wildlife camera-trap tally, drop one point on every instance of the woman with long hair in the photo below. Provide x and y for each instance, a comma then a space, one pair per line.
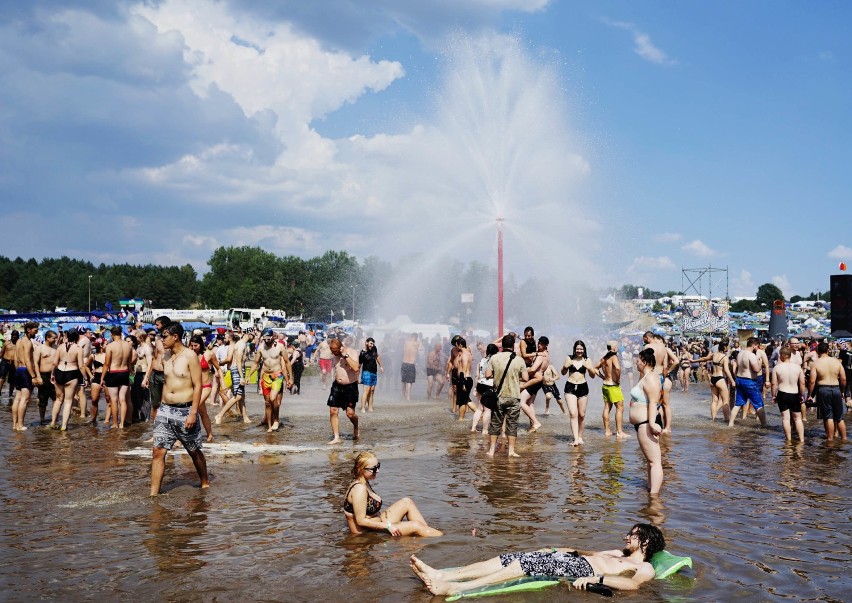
209, 363
578, 367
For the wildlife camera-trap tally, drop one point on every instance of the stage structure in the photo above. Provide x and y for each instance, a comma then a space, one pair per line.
702, 314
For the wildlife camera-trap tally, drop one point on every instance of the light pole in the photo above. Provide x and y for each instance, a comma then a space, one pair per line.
500, 276
90, 293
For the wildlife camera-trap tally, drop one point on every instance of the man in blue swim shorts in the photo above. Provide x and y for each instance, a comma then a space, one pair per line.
609, 568
749, 389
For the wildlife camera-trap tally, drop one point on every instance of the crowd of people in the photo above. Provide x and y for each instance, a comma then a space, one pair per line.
497, 381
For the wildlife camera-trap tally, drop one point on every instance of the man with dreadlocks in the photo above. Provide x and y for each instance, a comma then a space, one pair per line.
624, 569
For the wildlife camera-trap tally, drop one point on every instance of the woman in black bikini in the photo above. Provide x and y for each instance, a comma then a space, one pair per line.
67, 376
720, 381
577, 367
95, 365
362, 507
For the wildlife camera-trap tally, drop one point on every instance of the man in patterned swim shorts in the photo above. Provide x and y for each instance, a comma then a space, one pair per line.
177, 419
583, 568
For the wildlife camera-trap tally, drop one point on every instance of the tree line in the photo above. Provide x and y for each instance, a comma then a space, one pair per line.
328, 287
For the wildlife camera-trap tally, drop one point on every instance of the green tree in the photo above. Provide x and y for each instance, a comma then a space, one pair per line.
767, 293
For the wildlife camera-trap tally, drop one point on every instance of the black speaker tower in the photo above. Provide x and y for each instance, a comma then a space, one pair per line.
841, 302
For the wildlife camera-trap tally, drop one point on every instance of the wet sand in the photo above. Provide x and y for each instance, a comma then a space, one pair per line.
762, 520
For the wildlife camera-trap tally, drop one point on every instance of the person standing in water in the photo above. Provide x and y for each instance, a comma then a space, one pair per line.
577, 367
177, 418
788, 388
344, 390
644, 397
609, 368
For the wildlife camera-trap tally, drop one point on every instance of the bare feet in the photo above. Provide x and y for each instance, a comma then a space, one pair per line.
490, 453
275, 426
217, 419
430, 577
607, 434
622, 436
246, 419
356, 434
209, 437
335, 441
514, 454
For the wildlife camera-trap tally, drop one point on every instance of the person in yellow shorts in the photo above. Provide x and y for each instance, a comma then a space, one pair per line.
609, 368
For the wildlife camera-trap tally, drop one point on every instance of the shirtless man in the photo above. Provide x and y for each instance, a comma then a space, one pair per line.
276, 373
116, 374
827, 382
748, 388
433, 372
45, 360
526, 347
621, 569
463, 366
408, 371
155, 377
609, 368
666, 361
7, 365
235, 361
344, 389
536, 370
25, 375
177, 418
788, 388
141, 396
85, 342
325, 357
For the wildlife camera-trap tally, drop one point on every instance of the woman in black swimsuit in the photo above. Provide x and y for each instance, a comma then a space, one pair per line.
67, 376
362, 507
720, 381
577, 367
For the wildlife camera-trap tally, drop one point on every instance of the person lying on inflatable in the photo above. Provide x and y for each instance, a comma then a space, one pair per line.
587, 570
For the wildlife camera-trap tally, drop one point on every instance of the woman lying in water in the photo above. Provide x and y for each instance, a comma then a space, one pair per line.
362, 507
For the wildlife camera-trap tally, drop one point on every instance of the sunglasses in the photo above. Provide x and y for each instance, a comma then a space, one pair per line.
373, 469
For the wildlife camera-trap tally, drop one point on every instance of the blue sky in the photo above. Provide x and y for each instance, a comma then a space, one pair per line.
622, 141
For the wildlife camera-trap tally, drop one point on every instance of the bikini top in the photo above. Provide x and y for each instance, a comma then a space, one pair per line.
638, 394
374, 505
205, 366
573, 369
720, 363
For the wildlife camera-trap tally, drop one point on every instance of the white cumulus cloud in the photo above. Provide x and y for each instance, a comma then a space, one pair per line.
699, 248
841, 252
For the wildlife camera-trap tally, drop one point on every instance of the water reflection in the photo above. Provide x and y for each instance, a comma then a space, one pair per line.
174, 535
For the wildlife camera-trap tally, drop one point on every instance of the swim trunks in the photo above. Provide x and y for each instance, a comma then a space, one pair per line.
170, 427
542, 563
117, 378
343, 395
748, 390
612, 393
23, 380
408, 372
430, 372
463, 387
830, 402
534, 389
369, 379
237, 387
5, 368
551, 389
325, 365
46, 391
788, 401
271, 382
579, 390
155, 386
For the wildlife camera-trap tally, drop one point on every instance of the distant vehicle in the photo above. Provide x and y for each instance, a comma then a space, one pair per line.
201, 315
255, 318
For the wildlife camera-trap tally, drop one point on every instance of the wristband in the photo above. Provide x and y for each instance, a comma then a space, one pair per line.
389, 527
